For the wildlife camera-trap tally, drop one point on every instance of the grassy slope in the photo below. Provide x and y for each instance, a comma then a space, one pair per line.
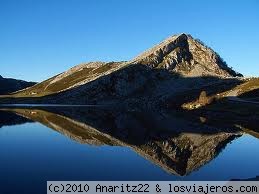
47, 87
250, 90
248, 86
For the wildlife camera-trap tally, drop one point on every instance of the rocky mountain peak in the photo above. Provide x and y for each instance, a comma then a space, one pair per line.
185, 55
163, 48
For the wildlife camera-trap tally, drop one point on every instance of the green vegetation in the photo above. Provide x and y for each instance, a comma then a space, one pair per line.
36, 90
69, 80
52, 86
104, 68
249, 85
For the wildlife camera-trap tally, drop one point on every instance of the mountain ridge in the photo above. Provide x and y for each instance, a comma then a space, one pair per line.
165, 47
178, 64
10, 85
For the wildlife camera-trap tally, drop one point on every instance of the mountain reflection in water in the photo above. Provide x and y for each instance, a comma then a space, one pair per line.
174, 142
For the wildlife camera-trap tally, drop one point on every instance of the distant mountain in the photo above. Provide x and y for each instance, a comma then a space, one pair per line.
178, 64
8, 85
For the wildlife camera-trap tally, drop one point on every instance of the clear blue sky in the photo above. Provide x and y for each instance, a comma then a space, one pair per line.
39, 39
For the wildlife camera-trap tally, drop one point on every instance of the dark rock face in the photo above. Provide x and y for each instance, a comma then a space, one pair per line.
8, 85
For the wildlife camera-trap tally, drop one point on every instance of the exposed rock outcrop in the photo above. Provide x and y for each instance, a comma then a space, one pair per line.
187, 56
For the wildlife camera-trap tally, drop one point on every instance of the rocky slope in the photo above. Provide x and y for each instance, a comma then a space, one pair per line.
8, 85
187, 56
178, 64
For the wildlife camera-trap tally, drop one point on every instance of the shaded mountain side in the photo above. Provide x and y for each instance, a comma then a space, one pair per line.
8, 85
250, 95
136, 84
175, 150
178, 64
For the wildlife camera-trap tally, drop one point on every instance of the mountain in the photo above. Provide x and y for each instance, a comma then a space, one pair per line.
177, 65
8, 85
186, 55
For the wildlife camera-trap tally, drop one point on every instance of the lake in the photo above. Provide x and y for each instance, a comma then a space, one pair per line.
53, 144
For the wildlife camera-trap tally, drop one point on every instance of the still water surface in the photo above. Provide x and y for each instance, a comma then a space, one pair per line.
32, 153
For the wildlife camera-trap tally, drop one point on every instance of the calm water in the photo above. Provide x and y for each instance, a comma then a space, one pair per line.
32, 153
